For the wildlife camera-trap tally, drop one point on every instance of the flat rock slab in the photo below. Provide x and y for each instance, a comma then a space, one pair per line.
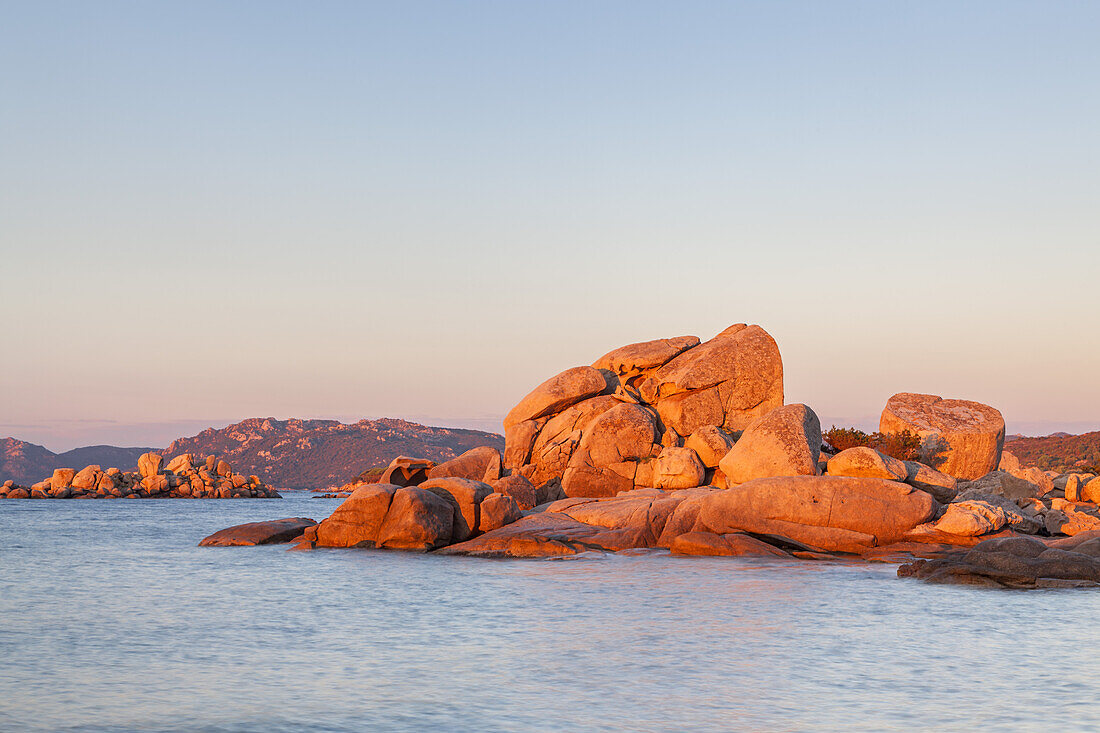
1012, 562
274, 532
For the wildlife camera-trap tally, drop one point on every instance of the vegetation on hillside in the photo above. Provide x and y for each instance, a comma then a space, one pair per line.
1058, 452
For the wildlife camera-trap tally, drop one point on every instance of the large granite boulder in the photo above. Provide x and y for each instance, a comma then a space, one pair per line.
728, 381
356, 522
636, 359
832, 513
971, 518
785, 442
498, 510
272, 532
959, 437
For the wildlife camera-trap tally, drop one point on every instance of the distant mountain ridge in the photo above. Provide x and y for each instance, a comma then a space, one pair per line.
293, 453
27, 463
1058, 452
313, 454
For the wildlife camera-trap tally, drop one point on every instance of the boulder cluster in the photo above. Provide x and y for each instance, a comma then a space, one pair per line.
687, 446
182, 477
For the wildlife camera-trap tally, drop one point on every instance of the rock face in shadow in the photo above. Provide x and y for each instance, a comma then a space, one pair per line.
272, 532
598, 429
962, 438
1016, 562
785, 442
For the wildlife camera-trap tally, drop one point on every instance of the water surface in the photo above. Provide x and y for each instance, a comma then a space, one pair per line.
113, 619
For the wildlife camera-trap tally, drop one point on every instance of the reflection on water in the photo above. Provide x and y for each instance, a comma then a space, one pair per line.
114, 620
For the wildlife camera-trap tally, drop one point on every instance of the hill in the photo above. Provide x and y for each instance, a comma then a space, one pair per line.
27, 463
1058, 452
313, 454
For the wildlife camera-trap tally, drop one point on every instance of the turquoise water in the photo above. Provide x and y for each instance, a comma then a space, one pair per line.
112, 619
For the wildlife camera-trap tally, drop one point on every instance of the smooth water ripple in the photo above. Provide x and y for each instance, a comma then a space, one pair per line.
113, 619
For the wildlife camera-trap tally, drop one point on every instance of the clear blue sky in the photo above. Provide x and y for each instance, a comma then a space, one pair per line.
210, 211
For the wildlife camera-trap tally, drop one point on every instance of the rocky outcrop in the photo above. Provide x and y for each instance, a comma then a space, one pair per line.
598, 428
273, 532
784, 442
183, 477
959, 437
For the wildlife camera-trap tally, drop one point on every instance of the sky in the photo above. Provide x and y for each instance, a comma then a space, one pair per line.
213, 211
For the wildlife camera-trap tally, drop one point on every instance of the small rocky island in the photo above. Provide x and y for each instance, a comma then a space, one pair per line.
687, 446
182, 478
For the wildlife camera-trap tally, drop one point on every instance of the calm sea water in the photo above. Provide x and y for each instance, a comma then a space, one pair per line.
112, 619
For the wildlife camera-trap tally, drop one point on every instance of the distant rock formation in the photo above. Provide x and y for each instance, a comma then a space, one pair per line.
24, 463
183, 477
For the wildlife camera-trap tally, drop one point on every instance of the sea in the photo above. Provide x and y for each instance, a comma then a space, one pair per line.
113, 619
